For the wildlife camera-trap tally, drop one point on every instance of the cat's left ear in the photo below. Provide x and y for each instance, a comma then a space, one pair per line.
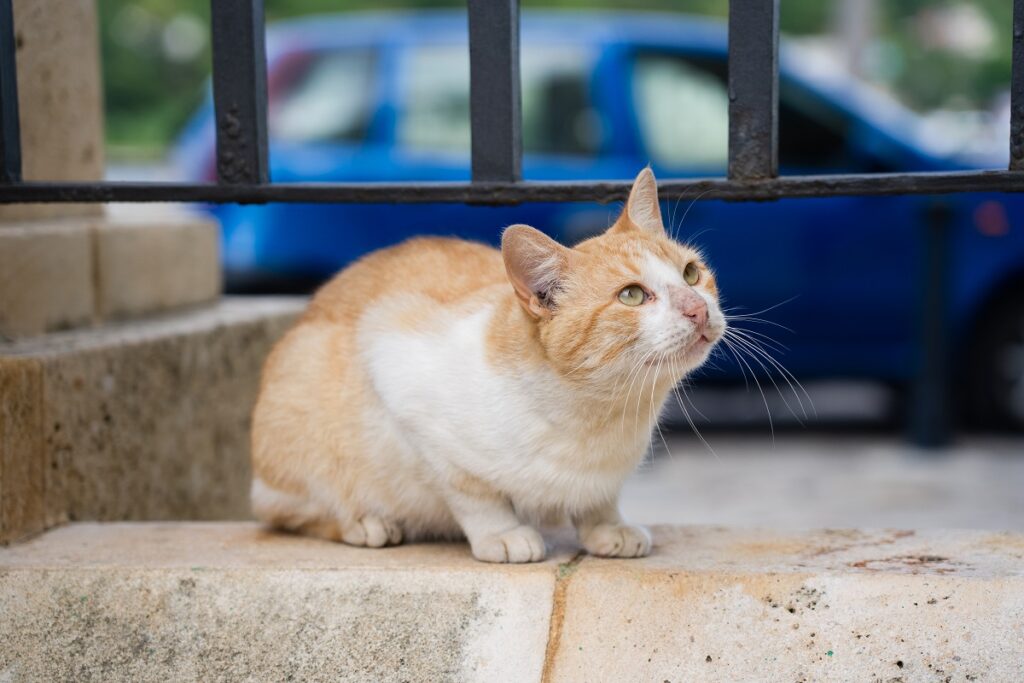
642, 208
535, 263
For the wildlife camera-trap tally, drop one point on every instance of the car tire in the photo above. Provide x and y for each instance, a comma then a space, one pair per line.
995, 369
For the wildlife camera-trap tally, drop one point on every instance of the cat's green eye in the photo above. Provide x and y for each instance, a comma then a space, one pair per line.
691, 273
633, 295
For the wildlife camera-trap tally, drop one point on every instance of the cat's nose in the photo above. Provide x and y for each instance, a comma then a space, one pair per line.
695, 309
698, 314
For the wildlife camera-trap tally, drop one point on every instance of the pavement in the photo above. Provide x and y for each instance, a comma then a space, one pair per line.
807, 480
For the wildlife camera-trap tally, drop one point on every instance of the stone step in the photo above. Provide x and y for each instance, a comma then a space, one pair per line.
231, 601
144, 420
80, 271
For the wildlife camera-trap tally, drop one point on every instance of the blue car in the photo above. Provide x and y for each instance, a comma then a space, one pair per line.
384, 97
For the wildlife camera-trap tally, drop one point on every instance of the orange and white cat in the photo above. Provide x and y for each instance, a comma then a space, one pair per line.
442, 388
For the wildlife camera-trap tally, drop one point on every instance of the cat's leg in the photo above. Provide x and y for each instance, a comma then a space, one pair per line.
371, 531
602, 532
301, 514
494, 531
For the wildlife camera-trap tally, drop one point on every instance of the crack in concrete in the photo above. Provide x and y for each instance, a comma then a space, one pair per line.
563, 577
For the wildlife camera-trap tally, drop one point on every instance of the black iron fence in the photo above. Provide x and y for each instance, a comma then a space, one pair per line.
240, 98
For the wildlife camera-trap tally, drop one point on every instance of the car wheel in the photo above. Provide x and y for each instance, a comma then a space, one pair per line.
995, 379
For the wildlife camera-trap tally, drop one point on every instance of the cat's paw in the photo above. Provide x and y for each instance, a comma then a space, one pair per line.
373, 532
521, 544
618, 540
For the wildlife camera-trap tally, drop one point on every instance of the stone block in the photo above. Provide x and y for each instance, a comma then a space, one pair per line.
46, 277
232, 602
148, 419
156, 264
714, 604
22, 453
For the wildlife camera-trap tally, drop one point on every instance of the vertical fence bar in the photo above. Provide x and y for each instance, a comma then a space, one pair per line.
753, 89
240, 91
1017, 90
494, 104
10, 128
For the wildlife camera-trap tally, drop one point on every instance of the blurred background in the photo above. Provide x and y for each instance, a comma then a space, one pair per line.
831, 291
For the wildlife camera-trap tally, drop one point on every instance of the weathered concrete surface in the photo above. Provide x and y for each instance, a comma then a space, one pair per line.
714, 604
140, 420
22, 478
231, 601
60, 99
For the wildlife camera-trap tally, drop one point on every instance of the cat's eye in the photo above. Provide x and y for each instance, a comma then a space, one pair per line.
633, 295
691, 273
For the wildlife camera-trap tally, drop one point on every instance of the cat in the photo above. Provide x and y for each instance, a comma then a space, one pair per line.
441, 388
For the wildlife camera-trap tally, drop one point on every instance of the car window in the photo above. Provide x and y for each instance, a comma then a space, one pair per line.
558, 117
328, 99
682, 108
682, 111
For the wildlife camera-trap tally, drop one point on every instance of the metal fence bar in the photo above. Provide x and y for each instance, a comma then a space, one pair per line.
517, 193
753, 89
494, 102
1017, 90
10, 129
240, 90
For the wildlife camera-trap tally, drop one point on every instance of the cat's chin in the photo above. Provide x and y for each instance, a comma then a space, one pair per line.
685, 359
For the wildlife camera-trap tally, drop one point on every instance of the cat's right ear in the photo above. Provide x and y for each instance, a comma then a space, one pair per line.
535, 263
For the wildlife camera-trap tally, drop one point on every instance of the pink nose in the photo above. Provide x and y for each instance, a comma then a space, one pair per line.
695, 308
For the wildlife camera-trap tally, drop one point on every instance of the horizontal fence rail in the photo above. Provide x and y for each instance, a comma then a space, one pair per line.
516, 193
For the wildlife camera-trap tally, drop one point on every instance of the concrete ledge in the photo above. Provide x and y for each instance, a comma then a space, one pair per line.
232, 601
138, 420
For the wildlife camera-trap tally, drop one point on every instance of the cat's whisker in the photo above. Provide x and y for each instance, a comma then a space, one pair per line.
692, 404
635, 374
761, 337
754, 353
687, 212
788, 376
655, 407
771, 425
640, 394
770, 308
693, 426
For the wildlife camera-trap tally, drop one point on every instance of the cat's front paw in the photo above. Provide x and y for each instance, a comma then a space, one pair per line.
618, 540
521, 544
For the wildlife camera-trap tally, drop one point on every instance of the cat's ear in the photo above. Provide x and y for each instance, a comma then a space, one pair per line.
642, 208
535, 263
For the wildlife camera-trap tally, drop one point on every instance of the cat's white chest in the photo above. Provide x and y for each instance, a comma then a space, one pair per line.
451, 405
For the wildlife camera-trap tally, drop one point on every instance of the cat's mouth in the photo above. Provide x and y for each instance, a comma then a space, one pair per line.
684, 353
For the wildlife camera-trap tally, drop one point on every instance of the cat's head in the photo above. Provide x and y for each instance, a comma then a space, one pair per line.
629, 297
